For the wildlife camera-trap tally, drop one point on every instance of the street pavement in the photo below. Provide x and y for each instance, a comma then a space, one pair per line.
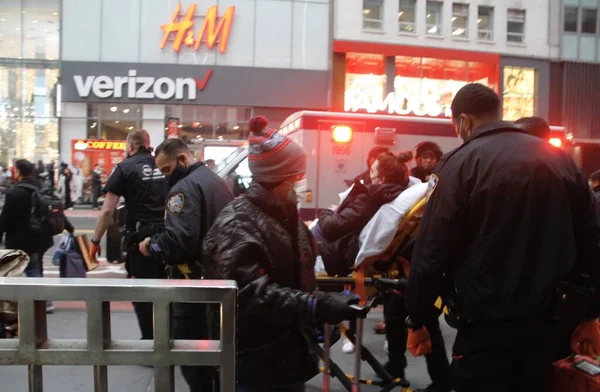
69, 322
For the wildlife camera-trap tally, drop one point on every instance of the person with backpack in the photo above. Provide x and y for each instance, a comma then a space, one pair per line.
32, 215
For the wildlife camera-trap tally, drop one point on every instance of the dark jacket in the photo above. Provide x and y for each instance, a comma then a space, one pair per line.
14, 221
507, 218
269, 252
364, 177
193, 204
420, 173
597, 197
342, 228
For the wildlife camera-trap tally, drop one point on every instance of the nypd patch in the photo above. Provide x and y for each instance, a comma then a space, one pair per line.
175, 204
431, 185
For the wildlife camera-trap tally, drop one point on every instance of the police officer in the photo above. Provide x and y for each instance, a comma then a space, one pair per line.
508, 217
196, 197
144, 190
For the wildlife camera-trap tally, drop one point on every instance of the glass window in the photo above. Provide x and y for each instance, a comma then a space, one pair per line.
41, 29
406, 16
434, 17
460, 20
571, 19
515, 26
372, 14
112, 121
365, 81
519, 94
485, 23
588, 20
10, 29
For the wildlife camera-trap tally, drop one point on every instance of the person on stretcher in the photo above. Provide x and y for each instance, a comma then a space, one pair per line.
338, 229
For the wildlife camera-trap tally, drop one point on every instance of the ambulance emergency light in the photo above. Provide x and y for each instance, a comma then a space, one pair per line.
556, 142
341, 134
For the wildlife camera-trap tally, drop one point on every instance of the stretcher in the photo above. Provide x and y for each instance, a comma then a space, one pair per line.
374, 278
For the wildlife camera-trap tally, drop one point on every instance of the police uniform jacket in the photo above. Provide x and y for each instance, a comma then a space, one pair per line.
142, 185
193, 204
508, 217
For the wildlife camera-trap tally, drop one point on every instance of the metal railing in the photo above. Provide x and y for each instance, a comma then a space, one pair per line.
34, 349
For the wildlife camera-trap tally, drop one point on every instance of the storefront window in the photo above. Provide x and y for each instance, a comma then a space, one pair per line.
373, 14
460, 20
434, 17
485, 23
515, 26
519, 93
199, 123
406, 16
112, 121
365, 82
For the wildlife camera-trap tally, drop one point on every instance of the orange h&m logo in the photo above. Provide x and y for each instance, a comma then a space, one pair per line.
211, 32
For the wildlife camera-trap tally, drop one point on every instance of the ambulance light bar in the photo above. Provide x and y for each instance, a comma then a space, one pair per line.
341, 134
556, 142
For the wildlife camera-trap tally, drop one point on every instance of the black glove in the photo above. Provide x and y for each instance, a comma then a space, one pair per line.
333, 308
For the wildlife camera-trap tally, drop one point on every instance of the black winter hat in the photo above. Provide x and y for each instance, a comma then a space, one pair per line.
428, 146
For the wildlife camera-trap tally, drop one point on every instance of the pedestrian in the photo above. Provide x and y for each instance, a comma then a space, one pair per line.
15, 222
260, 241
427, 154
195, 198
51, 175
96, 185
507, 219
594, 182
67, 177
210, 163
144, 190
365, 177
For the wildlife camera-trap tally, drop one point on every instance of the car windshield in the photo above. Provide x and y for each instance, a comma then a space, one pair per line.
228, 159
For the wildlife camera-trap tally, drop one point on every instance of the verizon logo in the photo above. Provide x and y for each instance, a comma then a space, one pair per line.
140, 87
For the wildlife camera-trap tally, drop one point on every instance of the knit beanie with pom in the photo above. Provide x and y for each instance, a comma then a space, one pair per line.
273, 158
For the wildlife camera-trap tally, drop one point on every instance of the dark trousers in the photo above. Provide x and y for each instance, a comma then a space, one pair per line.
95, 195
35, 267
196, 322
142, 267
503, 356
287, 388
395, 314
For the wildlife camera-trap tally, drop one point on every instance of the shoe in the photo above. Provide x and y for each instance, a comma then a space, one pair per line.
394, 371
50, 308
347, 347
433, 388
380, 328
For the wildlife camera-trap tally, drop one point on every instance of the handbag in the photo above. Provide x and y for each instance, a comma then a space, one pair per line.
60, 250
72, 264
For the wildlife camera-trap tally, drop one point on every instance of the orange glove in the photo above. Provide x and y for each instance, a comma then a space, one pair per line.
95, 250
419, 342
586, 339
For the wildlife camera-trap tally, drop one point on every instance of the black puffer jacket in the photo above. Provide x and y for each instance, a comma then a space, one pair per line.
342, 228
420, 173
269, 252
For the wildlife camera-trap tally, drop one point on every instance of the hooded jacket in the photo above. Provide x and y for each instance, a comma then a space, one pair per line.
264, 246
342, 228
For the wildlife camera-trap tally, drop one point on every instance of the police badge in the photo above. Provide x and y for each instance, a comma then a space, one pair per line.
175, 203
431, 185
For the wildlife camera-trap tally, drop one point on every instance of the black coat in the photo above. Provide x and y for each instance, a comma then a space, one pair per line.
508, 217
597, 196
342, 228
269, 252
14, 221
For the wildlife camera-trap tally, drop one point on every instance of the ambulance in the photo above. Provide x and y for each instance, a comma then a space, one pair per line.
337, 145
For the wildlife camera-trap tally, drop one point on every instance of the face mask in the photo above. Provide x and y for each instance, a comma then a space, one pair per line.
300, 188
177, 174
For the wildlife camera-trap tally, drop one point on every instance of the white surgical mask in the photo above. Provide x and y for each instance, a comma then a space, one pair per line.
300, 189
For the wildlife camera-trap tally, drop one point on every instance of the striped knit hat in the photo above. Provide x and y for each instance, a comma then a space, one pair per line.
273, 158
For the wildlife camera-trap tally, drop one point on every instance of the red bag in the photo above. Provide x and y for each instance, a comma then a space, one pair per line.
575, 374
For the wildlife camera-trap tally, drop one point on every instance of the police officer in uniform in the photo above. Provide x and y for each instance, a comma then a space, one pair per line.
144, 190
508, 217
196, 197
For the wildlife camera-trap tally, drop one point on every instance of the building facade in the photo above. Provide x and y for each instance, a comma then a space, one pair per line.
411, 56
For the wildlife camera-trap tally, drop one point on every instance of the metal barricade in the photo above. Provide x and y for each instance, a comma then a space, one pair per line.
34, 349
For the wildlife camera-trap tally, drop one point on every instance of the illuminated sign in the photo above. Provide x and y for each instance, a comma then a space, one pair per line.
210, 33
393, 104
111, 145
140, 87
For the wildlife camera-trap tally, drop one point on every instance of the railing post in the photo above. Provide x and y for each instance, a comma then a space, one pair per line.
98, 336
32, 333
228, 342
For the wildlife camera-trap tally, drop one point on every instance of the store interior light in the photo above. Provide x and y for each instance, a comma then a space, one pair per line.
400, 13
454, 18
478, 21
116, 122
458, 31
180, 126
366, 12
236, 127
432, 30
113, 109
125, 111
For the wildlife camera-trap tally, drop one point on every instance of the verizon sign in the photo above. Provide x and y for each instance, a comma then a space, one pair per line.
134, 86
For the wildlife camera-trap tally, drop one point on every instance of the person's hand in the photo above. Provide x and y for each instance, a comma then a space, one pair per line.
418, 342
333, 308
143, 247
95, 250
586, 339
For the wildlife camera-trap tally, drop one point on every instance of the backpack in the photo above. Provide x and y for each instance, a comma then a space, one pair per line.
47, 212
